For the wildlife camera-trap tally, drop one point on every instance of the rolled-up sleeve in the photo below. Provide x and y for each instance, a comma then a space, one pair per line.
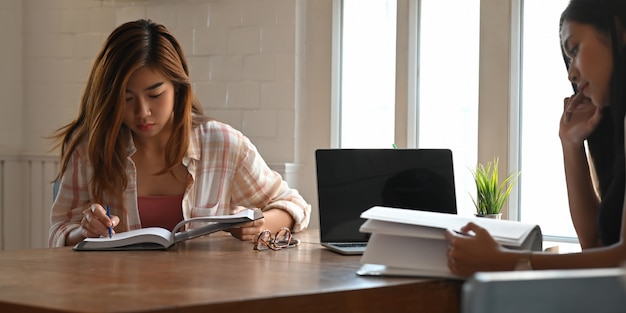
256, 183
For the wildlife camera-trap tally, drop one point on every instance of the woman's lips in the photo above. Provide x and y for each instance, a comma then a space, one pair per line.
581, 88
145, 127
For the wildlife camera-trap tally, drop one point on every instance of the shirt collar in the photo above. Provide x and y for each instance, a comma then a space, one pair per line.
193, 151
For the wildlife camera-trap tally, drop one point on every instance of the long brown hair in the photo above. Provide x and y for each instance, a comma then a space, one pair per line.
99, 123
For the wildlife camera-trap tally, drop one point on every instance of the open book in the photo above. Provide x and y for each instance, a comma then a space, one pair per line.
157, 238
406, 242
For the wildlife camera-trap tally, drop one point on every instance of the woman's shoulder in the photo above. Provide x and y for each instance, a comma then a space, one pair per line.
215, 132
81, 150
216, 128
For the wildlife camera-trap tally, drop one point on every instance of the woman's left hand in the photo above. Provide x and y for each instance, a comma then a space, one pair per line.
247, 231
472, 251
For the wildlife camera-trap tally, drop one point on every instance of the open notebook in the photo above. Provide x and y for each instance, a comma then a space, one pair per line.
350, 181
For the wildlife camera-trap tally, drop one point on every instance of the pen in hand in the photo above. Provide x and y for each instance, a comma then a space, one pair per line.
109, 215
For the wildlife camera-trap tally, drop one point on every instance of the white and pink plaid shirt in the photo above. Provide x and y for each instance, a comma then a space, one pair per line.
226, 170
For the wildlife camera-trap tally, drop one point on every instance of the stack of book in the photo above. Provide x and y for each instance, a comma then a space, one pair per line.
406, 242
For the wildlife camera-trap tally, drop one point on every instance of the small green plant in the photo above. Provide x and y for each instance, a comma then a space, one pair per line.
490, 194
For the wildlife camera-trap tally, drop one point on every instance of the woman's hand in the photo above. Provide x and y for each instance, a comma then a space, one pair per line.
474, 250
247, 231
580, 117
96, 223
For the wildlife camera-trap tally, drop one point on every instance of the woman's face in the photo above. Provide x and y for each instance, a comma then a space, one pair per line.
149, 105
591, 60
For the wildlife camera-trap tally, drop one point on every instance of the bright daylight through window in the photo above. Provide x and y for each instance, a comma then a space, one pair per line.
543, 197
368, 73
448, 84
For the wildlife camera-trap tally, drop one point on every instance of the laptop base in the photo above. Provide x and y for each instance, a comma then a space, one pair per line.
356, 248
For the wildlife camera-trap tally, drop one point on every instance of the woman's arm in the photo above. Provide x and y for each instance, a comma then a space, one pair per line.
582, 198
71, 200
74, 216
481, 253
580, 118
255, 184
232, 169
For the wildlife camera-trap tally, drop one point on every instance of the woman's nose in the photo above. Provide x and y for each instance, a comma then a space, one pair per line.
142, 108
572, 74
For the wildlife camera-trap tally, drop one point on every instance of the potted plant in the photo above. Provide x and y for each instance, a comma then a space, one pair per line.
490, 194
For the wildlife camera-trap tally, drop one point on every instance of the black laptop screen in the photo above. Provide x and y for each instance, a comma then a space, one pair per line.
350, 181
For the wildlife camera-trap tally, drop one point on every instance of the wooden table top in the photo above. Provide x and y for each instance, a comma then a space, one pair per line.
215, 272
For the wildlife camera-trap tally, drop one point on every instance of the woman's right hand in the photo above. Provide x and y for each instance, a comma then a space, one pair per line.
474, 250
580, 117
96, 223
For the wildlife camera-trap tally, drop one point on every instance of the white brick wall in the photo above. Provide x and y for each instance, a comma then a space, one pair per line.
241, 55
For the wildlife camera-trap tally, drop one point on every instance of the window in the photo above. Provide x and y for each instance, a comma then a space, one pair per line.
446, 93
543, 194
448, 87
447, 100
368, 74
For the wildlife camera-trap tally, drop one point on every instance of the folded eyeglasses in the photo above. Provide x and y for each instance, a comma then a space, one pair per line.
281, 240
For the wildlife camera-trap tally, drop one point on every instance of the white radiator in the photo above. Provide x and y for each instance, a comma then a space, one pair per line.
25, 200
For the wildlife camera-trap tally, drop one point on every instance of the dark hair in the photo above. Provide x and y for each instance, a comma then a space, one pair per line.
606, 143
130, 46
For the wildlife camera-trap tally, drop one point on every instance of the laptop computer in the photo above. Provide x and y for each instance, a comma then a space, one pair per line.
350, 181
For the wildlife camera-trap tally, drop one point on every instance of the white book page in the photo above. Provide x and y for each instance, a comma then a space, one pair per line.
246, 215
401, 229
166, 238
149, 234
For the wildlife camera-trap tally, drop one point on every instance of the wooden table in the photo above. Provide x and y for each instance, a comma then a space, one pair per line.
216, 273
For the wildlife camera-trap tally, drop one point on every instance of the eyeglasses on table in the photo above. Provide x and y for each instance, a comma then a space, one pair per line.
283, 239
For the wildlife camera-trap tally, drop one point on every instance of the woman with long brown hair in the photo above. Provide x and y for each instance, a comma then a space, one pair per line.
142, 146
593, 40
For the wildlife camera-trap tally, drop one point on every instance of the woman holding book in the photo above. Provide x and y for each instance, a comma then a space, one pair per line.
593, 40
142, 146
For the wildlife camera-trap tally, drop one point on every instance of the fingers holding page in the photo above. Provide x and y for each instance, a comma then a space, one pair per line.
247, 231
469, 249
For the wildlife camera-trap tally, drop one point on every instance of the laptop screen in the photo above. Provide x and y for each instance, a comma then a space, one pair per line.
350, 181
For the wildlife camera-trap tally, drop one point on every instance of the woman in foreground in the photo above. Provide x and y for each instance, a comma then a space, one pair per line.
142, 146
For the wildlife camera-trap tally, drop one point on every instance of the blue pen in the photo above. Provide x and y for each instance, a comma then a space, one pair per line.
109, 215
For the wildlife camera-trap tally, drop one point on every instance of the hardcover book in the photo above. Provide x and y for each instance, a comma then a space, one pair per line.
157, 238
407, 242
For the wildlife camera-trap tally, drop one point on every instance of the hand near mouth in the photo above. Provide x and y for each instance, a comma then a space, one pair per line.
580, 117
572, 103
